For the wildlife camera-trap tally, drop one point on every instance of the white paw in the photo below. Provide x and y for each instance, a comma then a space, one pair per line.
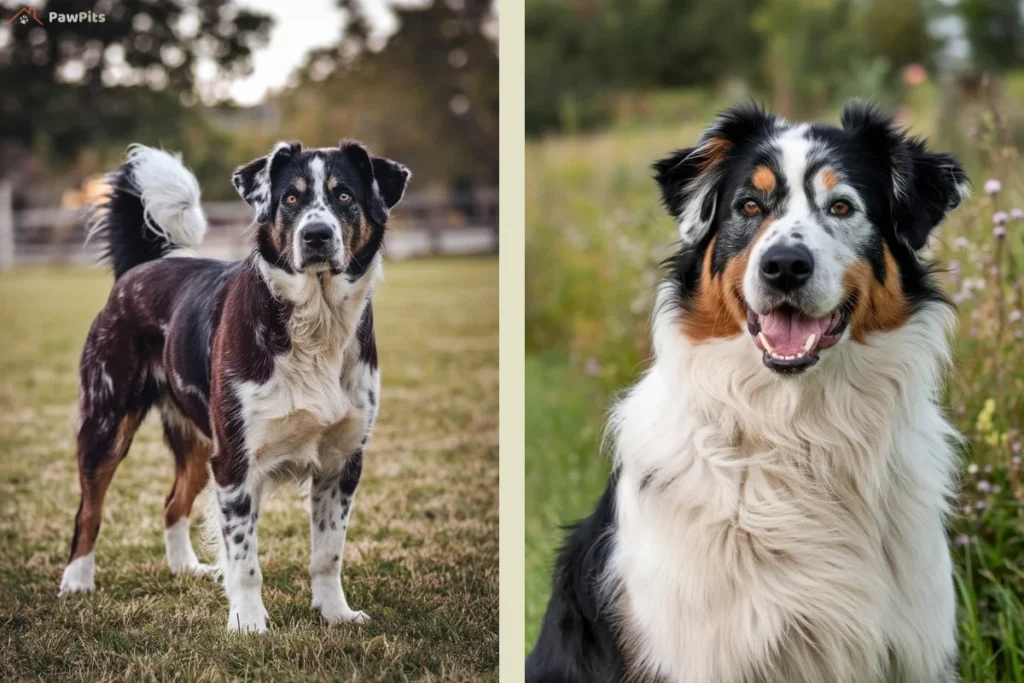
196, 568
342, 615
78, 576
248, 620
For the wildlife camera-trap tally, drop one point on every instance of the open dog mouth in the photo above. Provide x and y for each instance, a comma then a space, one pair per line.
791, 339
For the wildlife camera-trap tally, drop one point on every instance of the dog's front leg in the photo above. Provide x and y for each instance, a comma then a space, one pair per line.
237, 515
331, 499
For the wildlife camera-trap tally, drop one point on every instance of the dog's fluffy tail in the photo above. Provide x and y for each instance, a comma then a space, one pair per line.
151, 209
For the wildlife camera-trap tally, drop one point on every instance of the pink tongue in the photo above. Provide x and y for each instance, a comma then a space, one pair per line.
787, 331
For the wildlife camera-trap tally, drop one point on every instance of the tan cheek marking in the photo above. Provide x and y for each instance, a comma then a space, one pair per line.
332, 183
829, 178
300, 185
718, 310
764, 179
880, 307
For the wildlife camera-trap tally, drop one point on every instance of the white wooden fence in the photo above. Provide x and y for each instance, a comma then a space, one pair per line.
423, 225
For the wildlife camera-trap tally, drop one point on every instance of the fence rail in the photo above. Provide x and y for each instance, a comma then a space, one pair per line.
425, 224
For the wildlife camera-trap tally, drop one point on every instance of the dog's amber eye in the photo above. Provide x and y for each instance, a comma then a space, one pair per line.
751, 208
291, 199
840, 208
344, 198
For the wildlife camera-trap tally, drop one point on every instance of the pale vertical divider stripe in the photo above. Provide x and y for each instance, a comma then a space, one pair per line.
512, 525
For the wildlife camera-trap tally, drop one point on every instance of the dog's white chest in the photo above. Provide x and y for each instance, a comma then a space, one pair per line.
289, 416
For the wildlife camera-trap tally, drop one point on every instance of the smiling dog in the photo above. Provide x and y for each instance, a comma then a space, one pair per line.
783, 471
262, 369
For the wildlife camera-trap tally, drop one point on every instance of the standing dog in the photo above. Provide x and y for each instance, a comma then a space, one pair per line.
261, 369
783, 470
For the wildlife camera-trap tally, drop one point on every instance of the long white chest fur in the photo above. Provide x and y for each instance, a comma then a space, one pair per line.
317, 402
787, 529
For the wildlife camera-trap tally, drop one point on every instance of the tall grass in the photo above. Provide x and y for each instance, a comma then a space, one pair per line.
595, 234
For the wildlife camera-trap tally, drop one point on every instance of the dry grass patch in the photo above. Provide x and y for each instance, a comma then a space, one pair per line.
422, 556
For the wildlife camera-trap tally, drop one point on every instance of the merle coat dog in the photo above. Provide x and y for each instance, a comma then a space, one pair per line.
262, 369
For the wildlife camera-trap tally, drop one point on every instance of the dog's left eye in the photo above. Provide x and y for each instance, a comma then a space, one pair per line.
291, 199
344, 198
840, 208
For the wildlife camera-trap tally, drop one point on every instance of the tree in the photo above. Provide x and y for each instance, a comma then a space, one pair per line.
70, 86
428, 96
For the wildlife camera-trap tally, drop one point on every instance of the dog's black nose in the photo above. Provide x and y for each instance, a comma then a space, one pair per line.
317, 235
787, 267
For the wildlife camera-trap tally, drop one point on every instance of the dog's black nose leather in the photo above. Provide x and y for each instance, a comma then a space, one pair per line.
316, 235
787, 267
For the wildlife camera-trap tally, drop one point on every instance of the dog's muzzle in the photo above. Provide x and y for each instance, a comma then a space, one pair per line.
319, 245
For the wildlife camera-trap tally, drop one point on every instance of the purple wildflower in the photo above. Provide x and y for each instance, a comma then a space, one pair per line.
993, 186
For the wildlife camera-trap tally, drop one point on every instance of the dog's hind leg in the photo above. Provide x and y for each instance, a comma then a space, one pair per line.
114, 396
331, 500
191, 456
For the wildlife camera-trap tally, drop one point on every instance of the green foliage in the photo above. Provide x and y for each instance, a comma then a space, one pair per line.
429, 97
58, 93
995, 31
579, 52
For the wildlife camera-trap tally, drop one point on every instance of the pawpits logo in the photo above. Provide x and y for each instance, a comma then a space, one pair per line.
27, 15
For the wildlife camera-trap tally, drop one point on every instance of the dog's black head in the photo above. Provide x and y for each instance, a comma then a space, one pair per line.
321, 209
795, 234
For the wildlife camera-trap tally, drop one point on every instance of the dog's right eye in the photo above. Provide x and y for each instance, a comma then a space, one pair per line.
291, 199
751, 208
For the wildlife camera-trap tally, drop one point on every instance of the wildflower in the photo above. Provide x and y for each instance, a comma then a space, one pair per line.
1000, 217
980, 505
1016, 213
972, 468
961, 243
984, 486
1015, 316
1015, 447
988, 469
993, 186
591, 367
999, 232
996, 490
963, 539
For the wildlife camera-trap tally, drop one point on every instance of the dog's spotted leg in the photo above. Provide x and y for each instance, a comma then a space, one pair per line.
238, 515
331, 500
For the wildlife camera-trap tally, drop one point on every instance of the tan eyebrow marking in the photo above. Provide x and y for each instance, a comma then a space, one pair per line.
300, 184
332, 183
764, 179
829, 178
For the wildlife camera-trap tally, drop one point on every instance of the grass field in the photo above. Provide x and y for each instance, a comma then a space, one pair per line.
595, 235
422, 556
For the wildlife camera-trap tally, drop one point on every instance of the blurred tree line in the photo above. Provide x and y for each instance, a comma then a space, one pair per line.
74, 95
798, 55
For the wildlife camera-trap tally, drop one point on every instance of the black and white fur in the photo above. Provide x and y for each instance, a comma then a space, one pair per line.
262, 369
779, 517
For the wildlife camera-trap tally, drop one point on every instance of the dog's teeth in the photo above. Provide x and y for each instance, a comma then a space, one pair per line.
764, 342
810, 342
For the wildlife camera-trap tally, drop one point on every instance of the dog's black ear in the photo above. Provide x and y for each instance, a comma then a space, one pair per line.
690, 178
254, 181
386, 180
923, 185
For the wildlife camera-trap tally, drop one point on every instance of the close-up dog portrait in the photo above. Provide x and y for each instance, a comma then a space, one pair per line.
249, 385
774, 368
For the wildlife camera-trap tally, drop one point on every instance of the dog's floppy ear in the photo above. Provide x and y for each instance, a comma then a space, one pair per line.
254, 181
923, 186
690, 178
386, 180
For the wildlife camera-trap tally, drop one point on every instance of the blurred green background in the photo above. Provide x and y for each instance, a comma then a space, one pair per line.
613, 86
416, 81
